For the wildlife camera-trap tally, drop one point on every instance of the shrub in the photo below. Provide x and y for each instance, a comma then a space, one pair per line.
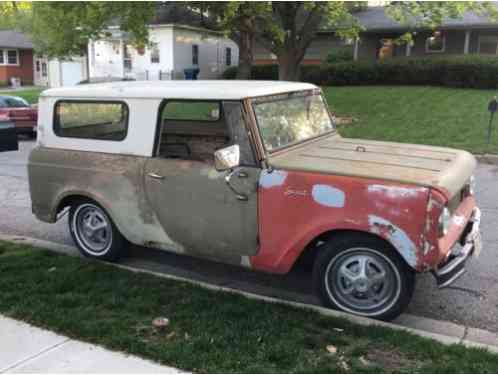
342, 54
470, 71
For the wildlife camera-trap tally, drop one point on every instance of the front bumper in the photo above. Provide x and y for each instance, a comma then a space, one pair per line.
471, 242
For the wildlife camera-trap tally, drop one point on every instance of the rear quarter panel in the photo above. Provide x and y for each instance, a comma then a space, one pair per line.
296, 207
113, 181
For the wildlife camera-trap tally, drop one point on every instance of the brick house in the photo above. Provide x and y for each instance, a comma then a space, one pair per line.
471, 34
16, 58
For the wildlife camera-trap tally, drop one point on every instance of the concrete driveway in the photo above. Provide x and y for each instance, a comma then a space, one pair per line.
472, 301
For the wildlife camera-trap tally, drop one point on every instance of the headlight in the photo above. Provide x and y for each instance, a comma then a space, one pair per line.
444, 222
472, 185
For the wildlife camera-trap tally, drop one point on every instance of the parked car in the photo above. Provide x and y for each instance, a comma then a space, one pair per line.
21, 113
253, 174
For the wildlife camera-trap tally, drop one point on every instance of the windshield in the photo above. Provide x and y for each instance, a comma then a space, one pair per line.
13, 102
292, 118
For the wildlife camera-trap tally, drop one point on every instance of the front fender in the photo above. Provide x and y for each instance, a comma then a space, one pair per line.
295, 208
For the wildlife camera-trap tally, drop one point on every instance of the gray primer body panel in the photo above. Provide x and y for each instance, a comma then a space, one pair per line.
114, 181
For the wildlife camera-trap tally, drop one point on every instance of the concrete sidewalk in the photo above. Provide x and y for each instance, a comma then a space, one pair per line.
27, 349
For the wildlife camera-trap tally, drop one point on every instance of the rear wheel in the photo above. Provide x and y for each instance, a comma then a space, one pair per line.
94, 232
363, 275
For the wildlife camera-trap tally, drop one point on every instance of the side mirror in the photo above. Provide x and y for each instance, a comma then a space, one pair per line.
8, 136
227, 158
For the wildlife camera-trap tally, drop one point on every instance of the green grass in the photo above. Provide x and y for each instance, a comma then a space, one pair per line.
426, 115
30, 95
209, 331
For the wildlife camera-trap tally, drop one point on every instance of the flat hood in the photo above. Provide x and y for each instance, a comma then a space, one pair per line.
438, 167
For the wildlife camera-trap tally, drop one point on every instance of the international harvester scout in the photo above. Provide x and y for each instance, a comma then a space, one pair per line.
253, 173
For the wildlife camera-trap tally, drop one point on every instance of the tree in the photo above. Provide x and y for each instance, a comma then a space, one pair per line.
239, 20
63, 29
292, 26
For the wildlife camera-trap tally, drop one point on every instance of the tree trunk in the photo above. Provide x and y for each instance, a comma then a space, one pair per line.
246, 45
289, 66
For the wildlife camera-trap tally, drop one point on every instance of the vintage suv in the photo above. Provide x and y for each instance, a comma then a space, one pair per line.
253, 173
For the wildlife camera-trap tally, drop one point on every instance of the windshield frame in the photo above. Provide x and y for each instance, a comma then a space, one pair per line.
286, 96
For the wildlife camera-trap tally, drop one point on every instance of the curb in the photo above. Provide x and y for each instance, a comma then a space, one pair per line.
487, 158
454, 333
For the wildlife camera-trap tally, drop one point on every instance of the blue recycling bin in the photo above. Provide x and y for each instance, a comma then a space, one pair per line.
191, 73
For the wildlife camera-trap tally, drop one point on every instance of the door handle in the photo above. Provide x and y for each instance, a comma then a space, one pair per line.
240, 197
156, 176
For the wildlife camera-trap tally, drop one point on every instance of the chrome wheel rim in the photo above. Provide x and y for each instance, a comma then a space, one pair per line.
93, 229
363, 281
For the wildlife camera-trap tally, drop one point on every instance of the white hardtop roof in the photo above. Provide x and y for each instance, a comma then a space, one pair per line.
213, 89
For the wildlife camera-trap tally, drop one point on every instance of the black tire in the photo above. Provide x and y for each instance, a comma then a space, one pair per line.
340, 283
106, 243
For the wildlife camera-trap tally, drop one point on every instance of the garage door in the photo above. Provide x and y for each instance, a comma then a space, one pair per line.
72, 73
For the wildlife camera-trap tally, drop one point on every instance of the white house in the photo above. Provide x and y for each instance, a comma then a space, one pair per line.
58, 73
173, 49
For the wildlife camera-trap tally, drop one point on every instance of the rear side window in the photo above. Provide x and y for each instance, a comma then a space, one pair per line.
192, 110
92, 120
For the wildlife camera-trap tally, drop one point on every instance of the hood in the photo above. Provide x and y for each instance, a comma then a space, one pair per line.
443, 168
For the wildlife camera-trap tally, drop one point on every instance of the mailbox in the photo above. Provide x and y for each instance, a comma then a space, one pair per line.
8, 136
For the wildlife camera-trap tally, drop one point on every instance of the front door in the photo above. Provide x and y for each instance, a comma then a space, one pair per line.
195, 204
41, 71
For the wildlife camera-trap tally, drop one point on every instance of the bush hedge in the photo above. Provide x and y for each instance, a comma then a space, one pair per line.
452, 71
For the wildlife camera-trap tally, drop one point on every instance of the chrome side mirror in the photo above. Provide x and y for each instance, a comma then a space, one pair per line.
227, 158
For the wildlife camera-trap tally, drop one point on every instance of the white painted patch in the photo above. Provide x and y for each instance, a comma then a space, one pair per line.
459, 220
397, 237
271, 179
328, 196
395, 191
245, 262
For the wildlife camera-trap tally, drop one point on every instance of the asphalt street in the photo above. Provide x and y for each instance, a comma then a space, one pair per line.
472, 301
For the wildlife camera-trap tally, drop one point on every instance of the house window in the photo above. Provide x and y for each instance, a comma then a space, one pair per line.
92, 120
13, 57
435, 43
228, 57
154, 54
44, 69
9, 57
37, 66
488, 44
195, 54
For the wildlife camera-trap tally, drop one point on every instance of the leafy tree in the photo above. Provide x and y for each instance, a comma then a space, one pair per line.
64, 28
292, 26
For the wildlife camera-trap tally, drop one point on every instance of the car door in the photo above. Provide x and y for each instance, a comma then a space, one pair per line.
208, 212
8, 136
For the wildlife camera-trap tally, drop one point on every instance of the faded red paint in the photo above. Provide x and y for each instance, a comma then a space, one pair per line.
290, 218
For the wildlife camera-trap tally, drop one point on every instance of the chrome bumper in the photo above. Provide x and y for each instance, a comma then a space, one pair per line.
471, 245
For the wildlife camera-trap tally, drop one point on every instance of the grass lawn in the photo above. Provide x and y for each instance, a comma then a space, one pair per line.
416, 114
209, 331
30, 95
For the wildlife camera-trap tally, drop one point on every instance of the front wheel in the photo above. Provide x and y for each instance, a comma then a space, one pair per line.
94, 232
363, 275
